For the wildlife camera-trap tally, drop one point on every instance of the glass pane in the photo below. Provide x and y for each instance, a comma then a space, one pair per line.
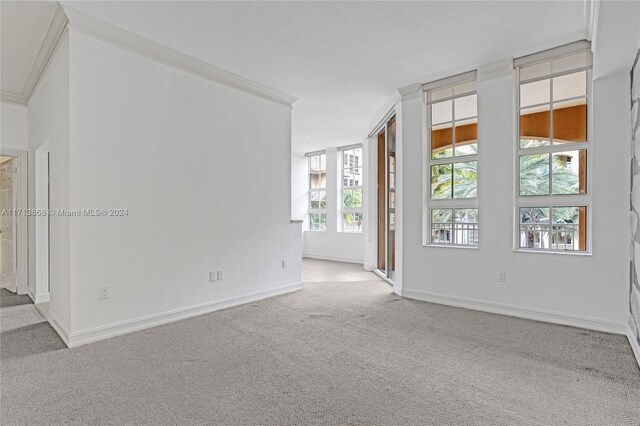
357, 176
466, 137
314, 200
465, 179
392, 200
318, 180
346, 156
357, 198
463, 88
347, 222
535, 71
357, 157
568, 228
465, 227
534, 227
441, 226
441, 112
566, 215
445, 92
466, 215
442, 141
570, 121
570, 86
392, 221
347, 176
352, 222
318, 221
314, 163
534, 174
534, 215
323, 162
357, 222
392, 180
441, 215
535, 93
347, 198
466, 107
569, 172
569, 62
323, 199
534, 127
441, 181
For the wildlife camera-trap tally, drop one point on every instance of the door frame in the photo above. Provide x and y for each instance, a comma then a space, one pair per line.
371, 255
22, 235
391, 108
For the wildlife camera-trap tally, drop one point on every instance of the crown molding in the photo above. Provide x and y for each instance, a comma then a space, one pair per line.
119, 37
56, 28
410, 92
382, 115
12, 97
495, 69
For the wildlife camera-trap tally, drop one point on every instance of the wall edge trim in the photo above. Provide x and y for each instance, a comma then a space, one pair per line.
134, 43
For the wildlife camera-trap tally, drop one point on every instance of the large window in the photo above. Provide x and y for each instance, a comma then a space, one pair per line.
553, 150
317, 192
351, 189
451, 181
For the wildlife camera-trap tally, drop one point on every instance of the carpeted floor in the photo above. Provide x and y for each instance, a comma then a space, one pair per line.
338, 352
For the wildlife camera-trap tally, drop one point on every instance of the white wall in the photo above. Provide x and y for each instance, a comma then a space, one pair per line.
13, 126
48, 122
591, 291
204, 171
331, 244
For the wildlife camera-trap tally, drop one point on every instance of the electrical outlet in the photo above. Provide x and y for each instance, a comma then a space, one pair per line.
213, 276
284, 264
502, 277
103, 293
220, 275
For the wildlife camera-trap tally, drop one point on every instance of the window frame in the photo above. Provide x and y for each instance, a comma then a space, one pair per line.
311, 190
353, 210
429, 204
551, 200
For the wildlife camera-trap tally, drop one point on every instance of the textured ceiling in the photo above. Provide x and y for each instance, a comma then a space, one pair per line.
343, 60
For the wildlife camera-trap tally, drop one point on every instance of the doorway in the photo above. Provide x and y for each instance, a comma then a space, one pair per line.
386, 156
8, 223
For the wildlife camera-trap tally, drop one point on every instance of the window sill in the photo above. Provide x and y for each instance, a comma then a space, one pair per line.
314, 230
454, 246
556, 252
350, 232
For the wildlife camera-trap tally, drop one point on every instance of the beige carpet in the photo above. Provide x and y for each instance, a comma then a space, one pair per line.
338, 352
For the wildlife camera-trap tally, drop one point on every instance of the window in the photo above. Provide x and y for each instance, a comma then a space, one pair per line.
553, 150
451, 217
351, 191
317, 192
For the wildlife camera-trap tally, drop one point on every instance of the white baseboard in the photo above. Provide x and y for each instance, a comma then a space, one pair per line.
39, 298
79, 338
332, 258
518, 311
635, 347
57, 326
